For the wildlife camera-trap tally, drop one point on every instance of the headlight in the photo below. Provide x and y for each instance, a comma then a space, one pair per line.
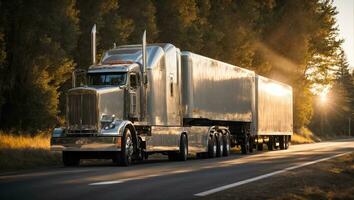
110, 126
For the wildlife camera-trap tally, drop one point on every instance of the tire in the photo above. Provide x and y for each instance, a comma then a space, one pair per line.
126, 154
271, 143
212, 147
227, 146
70, 159
287, 141
260, 146
220, 146
282, 142
245, 146
251, 144
183, 148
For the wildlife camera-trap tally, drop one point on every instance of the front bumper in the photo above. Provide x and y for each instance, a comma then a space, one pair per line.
92, 143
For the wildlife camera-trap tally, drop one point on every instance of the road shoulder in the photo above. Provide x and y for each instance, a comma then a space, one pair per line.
333, 179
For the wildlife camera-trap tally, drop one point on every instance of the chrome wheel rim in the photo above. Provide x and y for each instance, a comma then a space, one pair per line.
129, 146
221, 149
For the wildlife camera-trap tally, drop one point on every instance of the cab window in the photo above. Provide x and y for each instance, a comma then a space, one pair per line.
134, 81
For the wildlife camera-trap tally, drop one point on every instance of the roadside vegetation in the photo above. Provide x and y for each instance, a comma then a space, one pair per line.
26, 152
333, 179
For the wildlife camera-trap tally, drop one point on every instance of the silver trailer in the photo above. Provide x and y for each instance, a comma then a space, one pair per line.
144, 99
216, 91
273, 114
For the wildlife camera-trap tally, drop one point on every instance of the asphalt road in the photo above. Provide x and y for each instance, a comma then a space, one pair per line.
161, 179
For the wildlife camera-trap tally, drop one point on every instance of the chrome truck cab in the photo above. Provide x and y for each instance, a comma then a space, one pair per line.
133, 91
100, 110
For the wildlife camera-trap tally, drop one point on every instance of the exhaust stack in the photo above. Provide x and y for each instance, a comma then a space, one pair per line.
144, 56
93, 44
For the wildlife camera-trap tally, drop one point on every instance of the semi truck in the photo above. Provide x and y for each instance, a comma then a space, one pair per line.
154, 98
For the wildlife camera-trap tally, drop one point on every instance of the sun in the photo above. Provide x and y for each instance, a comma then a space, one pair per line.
324, 95
323, 98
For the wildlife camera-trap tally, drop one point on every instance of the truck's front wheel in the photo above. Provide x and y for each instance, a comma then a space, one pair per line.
126, 154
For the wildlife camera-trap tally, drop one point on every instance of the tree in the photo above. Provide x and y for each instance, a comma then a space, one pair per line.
331, 117
299, 38
37, 61
178, 23
143, 16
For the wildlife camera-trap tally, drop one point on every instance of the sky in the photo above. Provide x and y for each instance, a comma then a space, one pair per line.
345, 22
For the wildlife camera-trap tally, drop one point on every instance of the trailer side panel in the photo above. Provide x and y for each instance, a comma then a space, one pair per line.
215, 90
274, 106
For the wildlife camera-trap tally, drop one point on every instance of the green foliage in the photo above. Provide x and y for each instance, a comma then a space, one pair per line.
38, 60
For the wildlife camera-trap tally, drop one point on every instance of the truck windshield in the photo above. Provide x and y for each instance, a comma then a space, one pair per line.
107, 79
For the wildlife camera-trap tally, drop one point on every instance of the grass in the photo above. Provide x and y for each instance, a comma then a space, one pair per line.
300, 139
26, 152
333, 179
304, 136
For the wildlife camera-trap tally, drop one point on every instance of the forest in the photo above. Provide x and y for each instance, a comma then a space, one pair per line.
292, 41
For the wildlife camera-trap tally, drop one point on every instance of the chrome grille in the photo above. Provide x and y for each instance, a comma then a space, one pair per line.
82, 112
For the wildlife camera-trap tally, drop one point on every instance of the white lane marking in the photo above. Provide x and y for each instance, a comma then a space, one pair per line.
225, 187
138, 178
107, 182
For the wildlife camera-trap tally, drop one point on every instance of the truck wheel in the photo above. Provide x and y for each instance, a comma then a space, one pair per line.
282, 142
287, 141
245, 146
183, 148
226, 139
271, 143
212, 147
251, 144
260, 146
127, 151
70, 159
220, 146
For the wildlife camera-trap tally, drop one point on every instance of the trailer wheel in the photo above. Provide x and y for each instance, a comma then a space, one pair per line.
226, 139
287, 141
282, 142
183, 148
212, 147
251, 142
271, 143
259, 146
245, 146
125, 157
70, 159
220, 146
